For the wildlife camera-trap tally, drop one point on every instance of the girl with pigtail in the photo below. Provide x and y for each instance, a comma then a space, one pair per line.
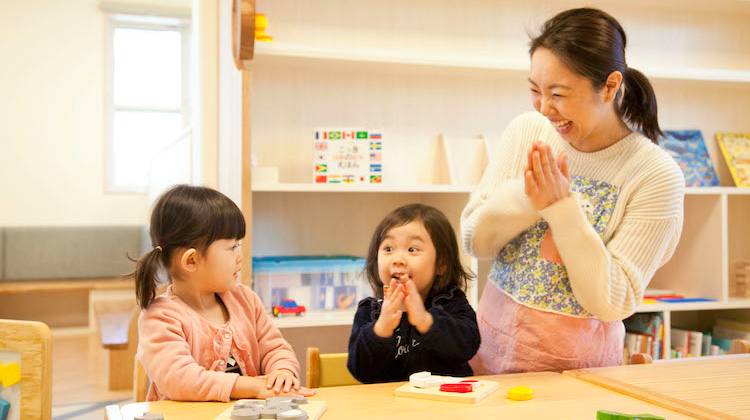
207, 337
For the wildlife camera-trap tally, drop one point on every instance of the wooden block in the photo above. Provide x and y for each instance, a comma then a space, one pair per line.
485, 388
314, 408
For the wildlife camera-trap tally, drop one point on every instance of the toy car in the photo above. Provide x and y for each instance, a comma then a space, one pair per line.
288, 307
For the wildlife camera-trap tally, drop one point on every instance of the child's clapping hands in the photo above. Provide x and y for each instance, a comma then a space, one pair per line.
401, 294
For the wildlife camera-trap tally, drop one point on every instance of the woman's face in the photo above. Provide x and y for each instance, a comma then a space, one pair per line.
578, 112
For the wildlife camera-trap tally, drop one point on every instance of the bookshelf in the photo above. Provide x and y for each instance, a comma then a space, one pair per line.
421, 69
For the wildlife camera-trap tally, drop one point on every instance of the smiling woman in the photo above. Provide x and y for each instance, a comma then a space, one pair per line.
578, 209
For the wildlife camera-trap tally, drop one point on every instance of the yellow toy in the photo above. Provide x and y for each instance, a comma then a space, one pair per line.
10, 374
520, 393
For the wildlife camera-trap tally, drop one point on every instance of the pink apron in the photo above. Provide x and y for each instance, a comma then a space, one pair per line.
518, 338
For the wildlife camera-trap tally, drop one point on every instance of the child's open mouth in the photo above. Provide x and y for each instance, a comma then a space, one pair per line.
399, 276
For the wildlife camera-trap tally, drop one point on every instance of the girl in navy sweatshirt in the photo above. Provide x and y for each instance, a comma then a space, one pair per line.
419, 319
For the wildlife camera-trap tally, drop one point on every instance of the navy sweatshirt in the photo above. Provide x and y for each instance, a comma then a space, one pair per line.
445, 349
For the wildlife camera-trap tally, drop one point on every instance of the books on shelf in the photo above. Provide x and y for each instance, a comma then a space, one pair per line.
736, 150
688, 149
645, 334
687, 343
347, 156
718, 340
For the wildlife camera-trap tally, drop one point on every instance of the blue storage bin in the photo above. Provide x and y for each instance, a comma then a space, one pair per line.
320, 283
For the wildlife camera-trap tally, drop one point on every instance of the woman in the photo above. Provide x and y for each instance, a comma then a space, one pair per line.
578, 209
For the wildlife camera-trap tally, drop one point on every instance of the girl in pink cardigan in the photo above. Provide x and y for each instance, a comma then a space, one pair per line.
207, 338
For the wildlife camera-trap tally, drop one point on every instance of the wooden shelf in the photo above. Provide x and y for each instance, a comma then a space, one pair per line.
518, 64
305, 187
717, 191
438, 188
395, 67
734, 303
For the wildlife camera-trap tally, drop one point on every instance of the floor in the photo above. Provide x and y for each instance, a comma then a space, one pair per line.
79, 379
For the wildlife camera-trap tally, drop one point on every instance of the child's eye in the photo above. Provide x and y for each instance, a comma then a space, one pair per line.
413, 249
387, 248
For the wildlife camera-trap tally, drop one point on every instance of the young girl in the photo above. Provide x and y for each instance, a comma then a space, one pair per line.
207, 338
413, 263
578, 208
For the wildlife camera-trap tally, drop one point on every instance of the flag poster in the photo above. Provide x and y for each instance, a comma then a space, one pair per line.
348, 156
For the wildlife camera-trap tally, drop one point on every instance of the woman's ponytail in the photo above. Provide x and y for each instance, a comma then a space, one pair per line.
638, 105
146, 276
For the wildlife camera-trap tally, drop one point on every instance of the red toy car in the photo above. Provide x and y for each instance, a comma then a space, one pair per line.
288, 307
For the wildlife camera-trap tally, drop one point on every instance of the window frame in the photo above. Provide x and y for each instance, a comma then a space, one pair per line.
115, 21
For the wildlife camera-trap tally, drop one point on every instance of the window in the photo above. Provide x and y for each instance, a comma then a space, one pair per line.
148, 101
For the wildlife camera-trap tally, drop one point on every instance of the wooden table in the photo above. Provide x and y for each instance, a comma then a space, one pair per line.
556, 396
707, 387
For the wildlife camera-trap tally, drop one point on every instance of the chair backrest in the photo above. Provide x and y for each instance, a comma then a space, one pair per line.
33, 341
327, 369
140, 379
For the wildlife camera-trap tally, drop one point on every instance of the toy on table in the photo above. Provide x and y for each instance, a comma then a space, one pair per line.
463, 386
613, 415
288, 307
4, 409
520, 393
279, 408
446, 388
10, 374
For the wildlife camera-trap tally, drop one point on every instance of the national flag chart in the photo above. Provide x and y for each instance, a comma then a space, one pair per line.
347, 156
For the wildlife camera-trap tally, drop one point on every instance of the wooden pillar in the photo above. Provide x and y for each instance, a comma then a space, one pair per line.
243, 47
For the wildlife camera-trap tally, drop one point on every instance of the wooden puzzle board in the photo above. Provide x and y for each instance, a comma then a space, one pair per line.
485, 388
314, 409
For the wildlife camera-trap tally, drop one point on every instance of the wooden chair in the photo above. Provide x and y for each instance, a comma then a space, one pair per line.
737, 347
118, 331
140, 381
33, 341
327, 369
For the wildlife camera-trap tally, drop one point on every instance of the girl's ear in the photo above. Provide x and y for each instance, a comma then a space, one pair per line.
189, 260
611, 86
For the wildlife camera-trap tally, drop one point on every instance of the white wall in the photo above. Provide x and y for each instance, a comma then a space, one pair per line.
51, 112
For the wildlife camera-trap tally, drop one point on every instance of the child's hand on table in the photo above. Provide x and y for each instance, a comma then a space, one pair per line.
282, 380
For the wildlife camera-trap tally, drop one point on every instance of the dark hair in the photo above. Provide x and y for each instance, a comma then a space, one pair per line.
592, 43
184, 217
443, 238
